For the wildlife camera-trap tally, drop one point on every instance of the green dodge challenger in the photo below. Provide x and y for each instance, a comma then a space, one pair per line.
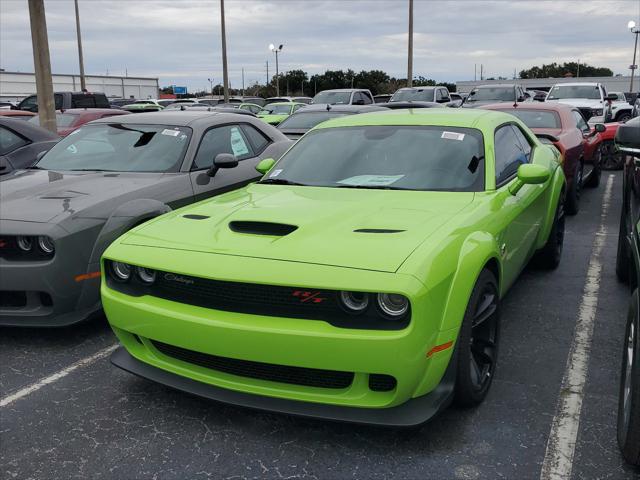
360, 279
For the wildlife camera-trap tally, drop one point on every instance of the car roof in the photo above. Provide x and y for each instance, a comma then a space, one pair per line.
94, 110
322, 107
451, 117
576, 84
555, 106
175, 117
28, 129
285, 103
504, 85
343, 90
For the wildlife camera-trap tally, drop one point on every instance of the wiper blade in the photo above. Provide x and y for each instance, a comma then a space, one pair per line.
372, 187
90, 170
282, 181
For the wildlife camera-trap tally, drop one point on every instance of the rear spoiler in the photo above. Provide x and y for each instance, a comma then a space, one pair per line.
547, 136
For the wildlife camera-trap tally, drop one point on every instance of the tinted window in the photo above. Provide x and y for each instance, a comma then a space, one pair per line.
332, 98
226, 139
258, 141
387, 157
365, 98
83, 101
501, 94
307, 120
591, 92
509, 154
10, 141
277, 109
580, 121
524, 142
413, 94
537, 118
122, 148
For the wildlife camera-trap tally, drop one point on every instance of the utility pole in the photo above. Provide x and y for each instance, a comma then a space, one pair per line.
578, 72
475, 72
42, 65
410, 52
225, 73
481, 72
83, 83
243, 81
267, 84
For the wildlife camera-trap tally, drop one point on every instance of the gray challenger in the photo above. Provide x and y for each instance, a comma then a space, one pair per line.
112, 174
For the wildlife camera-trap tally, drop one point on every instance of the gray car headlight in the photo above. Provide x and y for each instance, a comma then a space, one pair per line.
24, 243
46, 244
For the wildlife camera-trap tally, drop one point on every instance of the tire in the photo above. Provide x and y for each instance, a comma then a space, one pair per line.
629, 395
594, 178
572, 202
623, 118
609, 158
477, 346
548, 257
623, 257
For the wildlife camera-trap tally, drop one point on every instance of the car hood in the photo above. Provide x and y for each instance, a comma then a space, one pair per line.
480, 103
316, 225
48, 195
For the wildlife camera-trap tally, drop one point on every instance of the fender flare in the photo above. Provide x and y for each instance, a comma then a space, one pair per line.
559, 184
123, 219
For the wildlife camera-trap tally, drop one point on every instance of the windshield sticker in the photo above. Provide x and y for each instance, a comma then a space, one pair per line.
275, 173
237, 143
72, 148
371, 180
171, 133
452, 136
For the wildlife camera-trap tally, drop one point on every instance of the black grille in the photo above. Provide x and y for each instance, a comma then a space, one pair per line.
309, 377
381, 383
267, 300
9, 299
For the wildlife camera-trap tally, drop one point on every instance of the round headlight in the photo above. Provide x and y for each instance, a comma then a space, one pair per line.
146, 275
24, 243
393, 304
46, 244
355, 302
121, 271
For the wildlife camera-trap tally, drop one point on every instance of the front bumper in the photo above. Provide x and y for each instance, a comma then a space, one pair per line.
142, 322
411, 413
46, 292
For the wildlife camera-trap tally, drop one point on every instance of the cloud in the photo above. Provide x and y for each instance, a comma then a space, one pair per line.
179, 41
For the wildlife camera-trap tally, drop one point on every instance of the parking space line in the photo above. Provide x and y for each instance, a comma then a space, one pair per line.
9, 399
561, 445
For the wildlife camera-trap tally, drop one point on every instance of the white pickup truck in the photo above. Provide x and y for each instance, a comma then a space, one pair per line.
590, 98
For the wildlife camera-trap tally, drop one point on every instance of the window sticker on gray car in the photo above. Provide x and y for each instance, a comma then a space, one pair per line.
172, 133
237, 143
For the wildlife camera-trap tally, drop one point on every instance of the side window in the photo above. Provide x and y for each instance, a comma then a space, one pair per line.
580, 121
509, 154
10, 141
438, 95
366, 98
258, 141
524, 143
58, 100
297, 107
226, 139
30, 104
83, 101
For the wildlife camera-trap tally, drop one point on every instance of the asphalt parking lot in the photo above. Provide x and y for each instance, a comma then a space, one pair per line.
66, 413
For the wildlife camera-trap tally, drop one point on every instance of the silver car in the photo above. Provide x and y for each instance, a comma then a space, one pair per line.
58, 217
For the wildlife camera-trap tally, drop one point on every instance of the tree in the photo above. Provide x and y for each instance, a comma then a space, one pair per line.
555, 70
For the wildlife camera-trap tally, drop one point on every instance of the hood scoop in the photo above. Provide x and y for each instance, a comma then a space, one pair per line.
262, 228
377, 230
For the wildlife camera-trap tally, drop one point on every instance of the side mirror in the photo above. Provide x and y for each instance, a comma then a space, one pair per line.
4, 166
265, 165
222, 160
599, 128
529, 174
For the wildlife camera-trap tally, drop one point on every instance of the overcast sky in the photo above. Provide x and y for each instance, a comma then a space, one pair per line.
179, 40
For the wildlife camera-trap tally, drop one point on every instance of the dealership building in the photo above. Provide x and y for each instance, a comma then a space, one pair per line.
17, 85
612, 84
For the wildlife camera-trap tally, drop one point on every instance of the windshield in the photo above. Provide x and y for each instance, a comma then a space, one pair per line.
386, 157
63, 120
308, 120
500, 94
272, 109
537, 118
120, 148
413, 94
592, 92
332, 98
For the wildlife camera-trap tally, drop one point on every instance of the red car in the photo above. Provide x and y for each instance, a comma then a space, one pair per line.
564, 127
74, 118
610, 157
19, 114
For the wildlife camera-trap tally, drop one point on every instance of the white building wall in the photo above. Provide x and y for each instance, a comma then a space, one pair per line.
15, 85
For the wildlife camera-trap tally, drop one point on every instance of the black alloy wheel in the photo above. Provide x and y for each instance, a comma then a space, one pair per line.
610, 158
477, 349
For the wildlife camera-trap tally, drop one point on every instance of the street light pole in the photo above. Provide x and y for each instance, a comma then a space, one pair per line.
275, 50
410, 47
225, 73
635, 30
83, 83
211, 85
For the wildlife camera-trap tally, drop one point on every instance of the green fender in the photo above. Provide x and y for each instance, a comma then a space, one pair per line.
558, 185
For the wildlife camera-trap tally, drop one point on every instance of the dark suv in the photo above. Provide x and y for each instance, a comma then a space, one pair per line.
67, 100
